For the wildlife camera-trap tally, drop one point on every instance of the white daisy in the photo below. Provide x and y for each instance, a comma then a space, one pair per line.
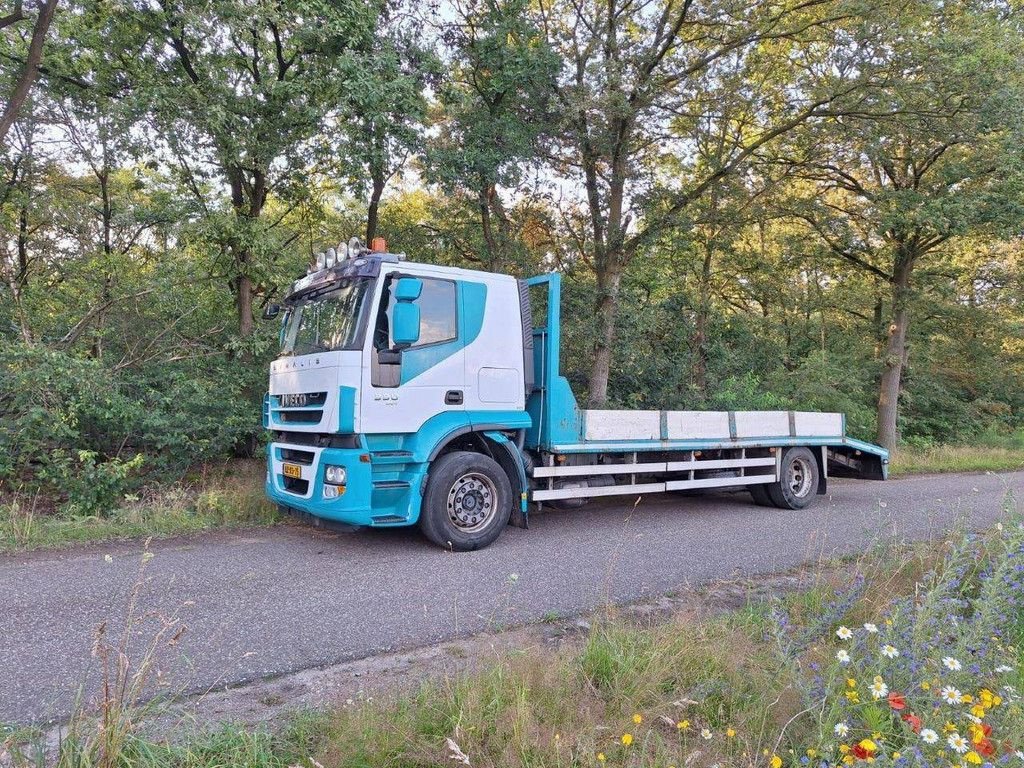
951, 695
841, 729
958, 743
928, 736
844, 633
870, 628
879, 689
705, 734
1003, 668
950, 663
890, 652
842, 656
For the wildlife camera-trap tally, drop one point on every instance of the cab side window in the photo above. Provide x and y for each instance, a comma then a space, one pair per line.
438, 314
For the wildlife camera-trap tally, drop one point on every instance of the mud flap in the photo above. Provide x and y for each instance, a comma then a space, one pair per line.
508, 456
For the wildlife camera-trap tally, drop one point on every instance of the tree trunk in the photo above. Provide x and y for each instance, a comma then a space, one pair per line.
247, 201
698, 341
895, 358
243, 302
30, 70
486, 225
373, 209
606, 309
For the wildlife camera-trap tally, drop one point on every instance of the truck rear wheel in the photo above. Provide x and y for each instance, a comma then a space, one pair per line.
467, 503
798, 482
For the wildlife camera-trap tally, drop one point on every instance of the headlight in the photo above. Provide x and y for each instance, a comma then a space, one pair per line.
336, 475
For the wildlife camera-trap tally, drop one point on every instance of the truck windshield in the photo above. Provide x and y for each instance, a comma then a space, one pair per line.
327, 320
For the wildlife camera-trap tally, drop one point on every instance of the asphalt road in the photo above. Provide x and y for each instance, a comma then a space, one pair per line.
264, 602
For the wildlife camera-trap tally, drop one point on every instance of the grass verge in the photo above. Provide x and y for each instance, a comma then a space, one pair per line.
228, 496
907, 657
956, 458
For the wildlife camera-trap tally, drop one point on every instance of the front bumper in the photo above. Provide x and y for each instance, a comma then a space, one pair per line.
306, 493
382, 492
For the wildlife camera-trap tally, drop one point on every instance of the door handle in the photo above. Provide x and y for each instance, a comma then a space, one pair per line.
453, 397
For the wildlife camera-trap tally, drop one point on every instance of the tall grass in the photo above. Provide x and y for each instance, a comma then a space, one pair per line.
228, 496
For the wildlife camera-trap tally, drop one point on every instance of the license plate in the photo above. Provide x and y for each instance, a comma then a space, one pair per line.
292, 470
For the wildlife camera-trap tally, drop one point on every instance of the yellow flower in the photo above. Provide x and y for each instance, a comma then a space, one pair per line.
973, 757
868, 745
627, 739
638, 718
844, 748
949, 727
812, 752
967, 698
925, 685
853, 697
850, 682
978, 711
989, 699
895, 755
776, 762
600, 757
876, 736
730, 732
849, 759
682, 725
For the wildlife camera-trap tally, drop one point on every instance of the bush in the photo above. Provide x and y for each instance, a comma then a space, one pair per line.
83, 434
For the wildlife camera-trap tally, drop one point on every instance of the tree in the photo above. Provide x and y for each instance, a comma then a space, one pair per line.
643, 79
940, 159
240, 95
31, 61
384, 115
495, 109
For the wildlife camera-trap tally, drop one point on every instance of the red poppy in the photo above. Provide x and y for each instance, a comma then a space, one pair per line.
985, 747
896, 700
986, 729
914, 721
859, 752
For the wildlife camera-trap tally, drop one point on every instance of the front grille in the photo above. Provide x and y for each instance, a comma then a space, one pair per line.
296, 485
300, 408
319, 441
299, 457
309, 399
300, 417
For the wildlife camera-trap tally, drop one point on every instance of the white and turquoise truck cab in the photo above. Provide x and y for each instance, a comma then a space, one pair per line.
416, 394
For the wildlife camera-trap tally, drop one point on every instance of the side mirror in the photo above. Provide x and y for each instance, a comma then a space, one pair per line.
405, 322
271, 311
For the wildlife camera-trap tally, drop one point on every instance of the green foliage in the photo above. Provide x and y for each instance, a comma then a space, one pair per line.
75, 429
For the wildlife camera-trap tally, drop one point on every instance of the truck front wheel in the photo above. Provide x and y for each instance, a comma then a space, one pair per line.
799, 480
467, 503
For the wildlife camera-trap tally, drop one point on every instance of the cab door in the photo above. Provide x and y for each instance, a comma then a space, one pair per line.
406, 382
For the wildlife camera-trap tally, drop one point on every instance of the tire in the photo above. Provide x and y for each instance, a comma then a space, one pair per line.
467, 503
798, 483
760, 495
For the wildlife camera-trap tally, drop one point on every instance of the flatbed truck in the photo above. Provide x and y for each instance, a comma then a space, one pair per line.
417, 394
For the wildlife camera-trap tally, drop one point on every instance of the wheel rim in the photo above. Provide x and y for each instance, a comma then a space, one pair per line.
799, 477
471, 502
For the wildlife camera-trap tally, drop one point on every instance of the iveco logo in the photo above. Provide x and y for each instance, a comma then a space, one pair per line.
293, 401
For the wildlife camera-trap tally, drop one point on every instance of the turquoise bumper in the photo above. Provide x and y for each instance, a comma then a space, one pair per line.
369, 498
